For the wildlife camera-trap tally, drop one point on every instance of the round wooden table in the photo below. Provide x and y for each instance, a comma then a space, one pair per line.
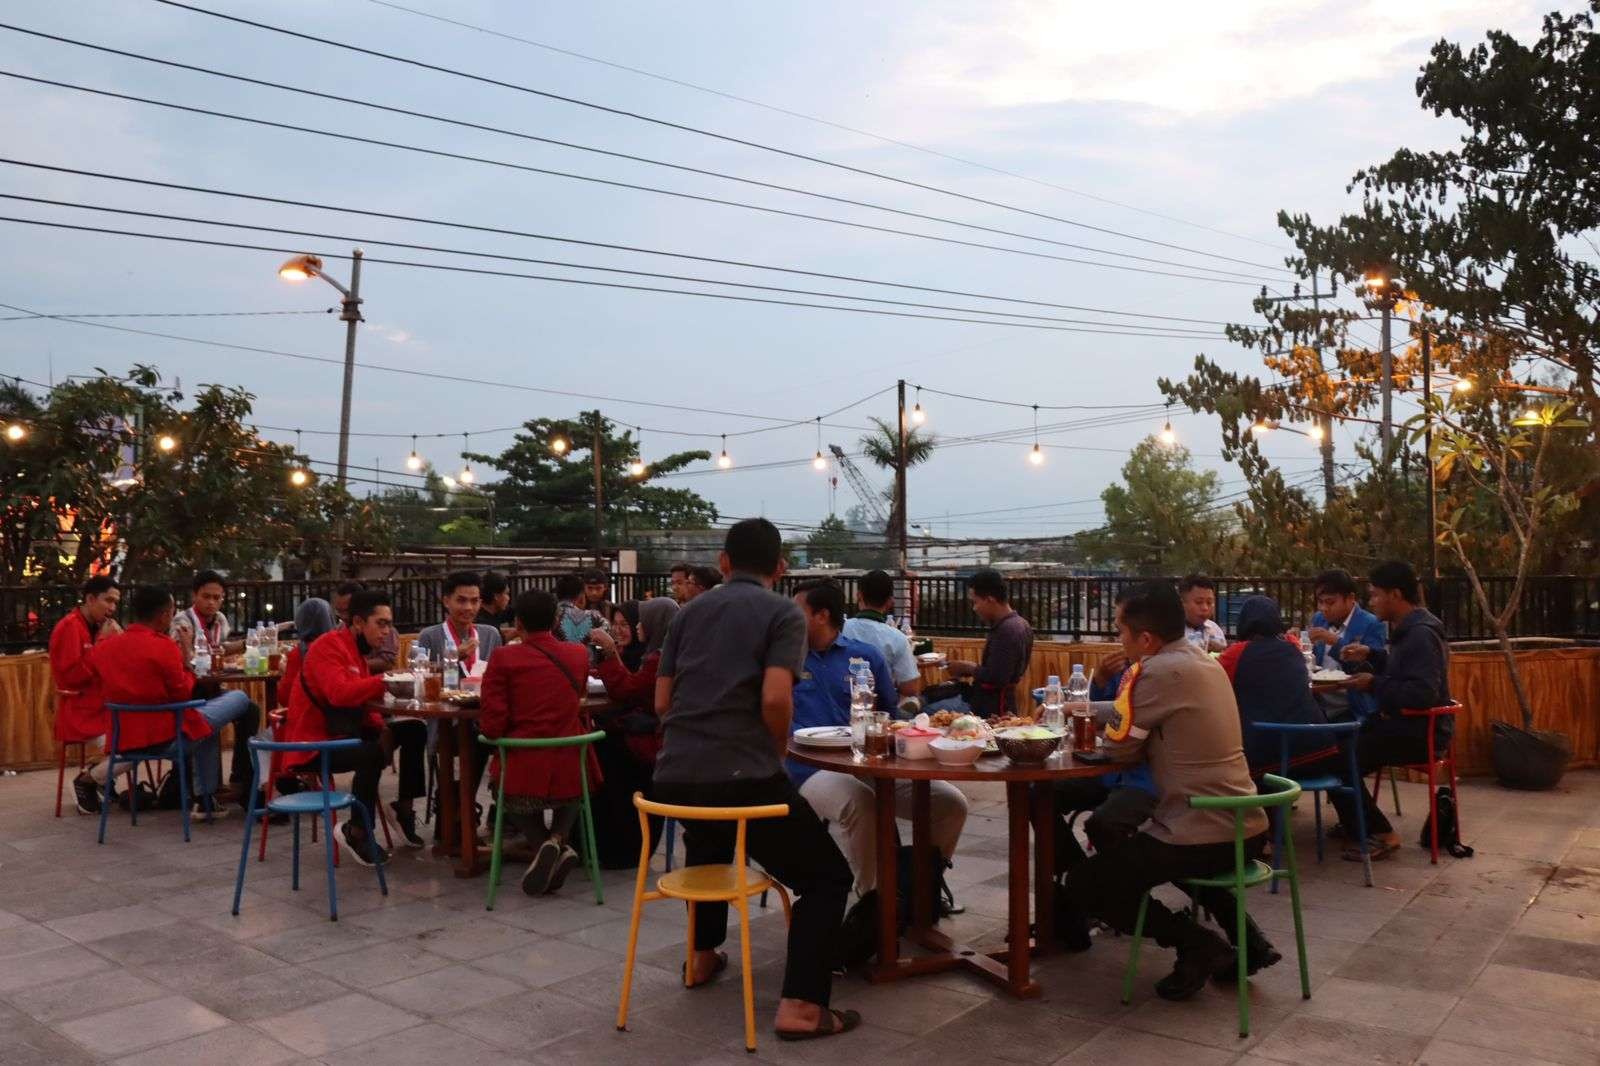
1030, 799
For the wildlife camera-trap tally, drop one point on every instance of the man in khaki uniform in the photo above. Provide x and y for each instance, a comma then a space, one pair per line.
1176, 711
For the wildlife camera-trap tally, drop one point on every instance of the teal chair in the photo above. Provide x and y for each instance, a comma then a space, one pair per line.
1280, 794
591, 855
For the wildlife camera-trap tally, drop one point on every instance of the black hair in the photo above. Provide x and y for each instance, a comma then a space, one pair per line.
989, 583
98, 585
348, 588
494, 583
1337, 582
681, 568
1396, 576
148, 601
877, 588
536, 611
824, 595
596, 577
568, 587
208, 577
1196, 581
1153, 607
363, 603
754, 546
461, 579
707, 577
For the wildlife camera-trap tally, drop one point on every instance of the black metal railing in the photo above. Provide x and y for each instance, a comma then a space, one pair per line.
1082, 607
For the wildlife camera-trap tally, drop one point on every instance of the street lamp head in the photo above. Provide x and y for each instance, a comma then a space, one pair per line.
1316, 432
299, 478
300, 268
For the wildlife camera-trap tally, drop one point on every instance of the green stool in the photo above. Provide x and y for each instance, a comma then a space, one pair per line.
591, 860
1281, 792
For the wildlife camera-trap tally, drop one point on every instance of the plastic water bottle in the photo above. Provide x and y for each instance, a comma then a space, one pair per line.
202, 655
1055, 718
252, 650
419, 672
905, 626
862, 705
861, 672
1078, 686
450, 664
1306, 653
1078, 707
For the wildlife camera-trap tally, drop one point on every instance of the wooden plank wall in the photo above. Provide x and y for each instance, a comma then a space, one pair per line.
1564, 683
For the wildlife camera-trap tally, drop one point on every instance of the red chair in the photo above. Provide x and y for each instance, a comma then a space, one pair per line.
1431, 768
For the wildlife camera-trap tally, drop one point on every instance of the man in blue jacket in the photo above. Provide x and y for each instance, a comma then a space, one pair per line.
1339, 624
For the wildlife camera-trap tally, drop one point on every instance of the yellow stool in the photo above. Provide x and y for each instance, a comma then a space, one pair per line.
703, 884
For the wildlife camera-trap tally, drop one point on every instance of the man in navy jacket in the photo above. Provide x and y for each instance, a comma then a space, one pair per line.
1340, 623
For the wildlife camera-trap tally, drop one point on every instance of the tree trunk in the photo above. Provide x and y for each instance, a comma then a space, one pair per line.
1502, 632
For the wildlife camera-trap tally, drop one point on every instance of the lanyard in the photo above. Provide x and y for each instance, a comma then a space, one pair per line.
213, 632
450, 642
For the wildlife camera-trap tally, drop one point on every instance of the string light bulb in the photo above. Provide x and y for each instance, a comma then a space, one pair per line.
1261, 428
559, 445
637, 467
1168, 435
1036, 456
15, 432
466, 476
917, 415
1316, 432
299, 478
722, 460
413, 461
1463, 385
819, 463
166, 442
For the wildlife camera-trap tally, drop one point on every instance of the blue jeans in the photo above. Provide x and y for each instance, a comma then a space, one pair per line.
205, 761
233, 708
957, 704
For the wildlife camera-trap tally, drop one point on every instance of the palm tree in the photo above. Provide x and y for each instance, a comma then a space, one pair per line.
882, 445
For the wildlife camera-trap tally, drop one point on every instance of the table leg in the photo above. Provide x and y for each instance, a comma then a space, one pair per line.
466, 751
888, 920
446, 840
922, 902
1044, 867
1017, 907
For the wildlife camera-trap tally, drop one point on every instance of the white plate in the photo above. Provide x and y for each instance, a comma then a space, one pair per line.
823, 736
596, 687
1330, 675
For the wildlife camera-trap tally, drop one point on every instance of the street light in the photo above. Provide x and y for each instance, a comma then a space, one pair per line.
299, 478
1383, 291
298, 269
15, 432
166, 442
559, 445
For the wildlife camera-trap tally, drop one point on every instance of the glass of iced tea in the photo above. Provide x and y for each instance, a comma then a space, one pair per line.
432, 685
1083, 731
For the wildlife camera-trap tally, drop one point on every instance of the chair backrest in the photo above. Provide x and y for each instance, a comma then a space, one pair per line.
1448, 710
742, 815
1274, 791
117, 710
323, 748
582, 739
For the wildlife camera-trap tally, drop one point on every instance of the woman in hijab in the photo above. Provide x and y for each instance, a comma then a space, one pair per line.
625, 632
312, 619
1270, 684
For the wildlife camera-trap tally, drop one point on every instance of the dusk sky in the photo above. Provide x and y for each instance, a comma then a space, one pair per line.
1182, 123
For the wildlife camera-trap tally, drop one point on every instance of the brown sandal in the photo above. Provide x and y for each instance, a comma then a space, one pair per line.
716, 971
841, 1021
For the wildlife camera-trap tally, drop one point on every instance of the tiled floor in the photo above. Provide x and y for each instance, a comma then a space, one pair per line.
127, 953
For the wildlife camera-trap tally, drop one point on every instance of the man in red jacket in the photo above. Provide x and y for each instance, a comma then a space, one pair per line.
80, 710
330, 701
143, 666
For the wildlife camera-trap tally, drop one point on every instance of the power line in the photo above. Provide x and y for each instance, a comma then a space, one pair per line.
596, 284
508, 165
575, 146
682, 127
1188, 333
170, 314
822, 121
599, 244
1040, 406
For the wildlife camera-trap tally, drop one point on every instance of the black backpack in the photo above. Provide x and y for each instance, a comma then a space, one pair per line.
1449, 828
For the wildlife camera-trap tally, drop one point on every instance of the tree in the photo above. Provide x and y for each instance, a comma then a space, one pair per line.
547, 496
1163, 518
882, 446
833, 541
422, 515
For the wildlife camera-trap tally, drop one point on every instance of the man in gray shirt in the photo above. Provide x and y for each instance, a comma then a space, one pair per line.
725, 694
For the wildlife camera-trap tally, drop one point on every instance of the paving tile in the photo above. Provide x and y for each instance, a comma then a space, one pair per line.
406, 919
1560, 925
97, 925
1574, 959
1310, 1041
425, 1045
642, 1046
54, 965
335, 1024
262, 917
1404, 1010
220, 963
1428, 971
247, 998
233, 1045
1449, 1053
1001, 1031
1549, 991
554, 917
1524, 1030
1117, 1047
25, 1042
142, 1025
475, 939
377, 963
445, 991
317, 941
529, 1020
27, 939
64, 1000
548, 961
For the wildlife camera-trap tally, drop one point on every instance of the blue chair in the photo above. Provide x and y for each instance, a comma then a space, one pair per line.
1354, 783
177, 751
322, 802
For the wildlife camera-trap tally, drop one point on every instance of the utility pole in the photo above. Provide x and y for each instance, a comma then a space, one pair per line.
1427, 448
350, 315
599, 492
1324, 418
1383, 292
899, 532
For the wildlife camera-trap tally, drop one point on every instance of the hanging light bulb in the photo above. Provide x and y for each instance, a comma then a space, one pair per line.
1261, 428
298, 478
1463, 385
722, 460
637, 467
917, 415
559, 445
466, 476
1036, 456
413, 461
819, 463
15, 432
166, 442
1316, 432
1168, 436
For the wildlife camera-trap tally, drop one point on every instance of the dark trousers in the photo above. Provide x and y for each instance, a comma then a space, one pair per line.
242, 769
1109, 885
1116, 814
1375, 747
795, 850
410, 738
531, 824
367, 763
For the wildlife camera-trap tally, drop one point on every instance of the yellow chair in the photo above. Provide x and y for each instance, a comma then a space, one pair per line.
703, 884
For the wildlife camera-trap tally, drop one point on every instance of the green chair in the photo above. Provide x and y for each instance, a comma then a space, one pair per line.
1281, 794
591, 860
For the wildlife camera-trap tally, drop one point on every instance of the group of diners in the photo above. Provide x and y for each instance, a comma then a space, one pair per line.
707, 687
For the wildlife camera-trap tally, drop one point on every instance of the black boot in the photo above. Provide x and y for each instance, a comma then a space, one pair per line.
1072, 926
1259, 952
1201, 953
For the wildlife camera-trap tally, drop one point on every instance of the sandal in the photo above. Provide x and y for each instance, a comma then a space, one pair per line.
716, 971
1378, 849
841, 1021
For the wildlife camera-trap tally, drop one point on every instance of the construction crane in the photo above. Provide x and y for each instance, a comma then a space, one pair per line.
870, 498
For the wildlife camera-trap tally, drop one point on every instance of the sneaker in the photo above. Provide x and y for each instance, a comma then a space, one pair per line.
86, 794
1201, 954
216, 814
1259, 954
536, 878
564, 866
406, 820
365, 851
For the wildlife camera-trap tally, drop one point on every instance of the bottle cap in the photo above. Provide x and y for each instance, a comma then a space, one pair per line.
1053, 679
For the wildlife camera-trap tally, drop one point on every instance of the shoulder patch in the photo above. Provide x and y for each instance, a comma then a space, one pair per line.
1121, 726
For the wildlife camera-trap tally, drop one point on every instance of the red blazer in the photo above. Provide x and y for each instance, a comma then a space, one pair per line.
80, 709
141, 666
291, 675
525, 694
336, 671
636, 693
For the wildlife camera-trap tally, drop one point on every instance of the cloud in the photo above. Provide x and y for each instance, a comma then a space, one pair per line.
1180, 58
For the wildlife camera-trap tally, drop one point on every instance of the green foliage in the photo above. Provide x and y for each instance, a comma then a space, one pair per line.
547, 497
834, 542
1162, 518
422, 516
882, 445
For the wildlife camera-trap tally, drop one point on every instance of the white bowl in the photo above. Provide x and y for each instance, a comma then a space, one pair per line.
956, 752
